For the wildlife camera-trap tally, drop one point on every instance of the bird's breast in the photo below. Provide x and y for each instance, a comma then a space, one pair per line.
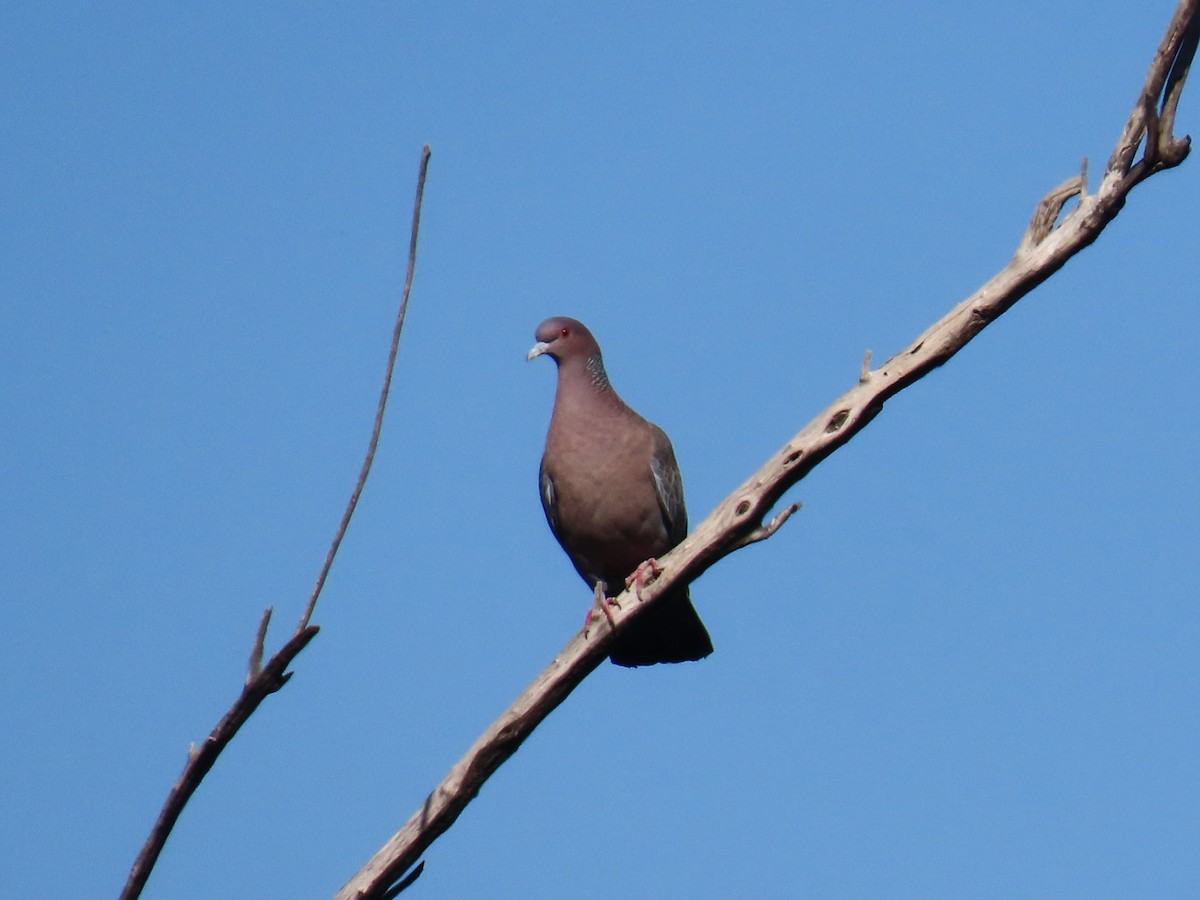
607, 506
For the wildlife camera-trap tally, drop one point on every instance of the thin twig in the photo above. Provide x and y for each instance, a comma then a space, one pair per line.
1180, 67
1046, 215
1153, 116
262, 681
765, 531
383, 395
738, 520
260, 640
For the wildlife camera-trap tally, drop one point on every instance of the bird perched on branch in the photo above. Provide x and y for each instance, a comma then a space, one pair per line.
613, 496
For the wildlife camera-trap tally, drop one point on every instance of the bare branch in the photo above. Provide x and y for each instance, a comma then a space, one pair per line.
383, 394
1046, 215
1153, 116
737, 521
260, 640
1177, 77
501, 740
200, 759
262, 681
765, 531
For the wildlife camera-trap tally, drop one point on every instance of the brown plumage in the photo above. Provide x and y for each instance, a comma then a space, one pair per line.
612, 494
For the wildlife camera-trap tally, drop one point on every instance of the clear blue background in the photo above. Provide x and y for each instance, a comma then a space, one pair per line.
968, 668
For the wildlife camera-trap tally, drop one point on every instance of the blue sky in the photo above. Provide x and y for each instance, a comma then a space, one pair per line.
968, 668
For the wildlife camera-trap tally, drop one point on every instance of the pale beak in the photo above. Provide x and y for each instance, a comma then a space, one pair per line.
538, 349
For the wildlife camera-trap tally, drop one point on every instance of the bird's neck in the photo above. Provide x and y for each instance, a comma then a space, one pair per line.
583, 384
593, 368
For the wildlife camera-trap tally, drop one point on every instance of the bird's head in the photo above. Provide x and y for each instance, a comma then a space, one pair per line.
564, 339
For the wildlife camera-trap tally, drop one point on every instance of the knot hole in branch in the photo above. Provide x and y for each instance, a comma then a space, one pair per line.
837, 421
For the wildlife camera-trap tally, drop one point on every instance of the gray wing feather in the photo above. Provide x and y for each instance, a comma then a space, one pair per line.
546, 492
668, 485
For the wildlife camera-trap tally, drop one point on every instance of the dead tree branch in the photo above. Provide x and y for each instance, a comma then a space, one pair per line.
739, 519
262, 681
383, 394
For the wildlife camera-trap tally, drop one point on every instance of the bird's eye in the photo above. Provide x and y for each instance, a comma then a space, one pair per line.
565, 332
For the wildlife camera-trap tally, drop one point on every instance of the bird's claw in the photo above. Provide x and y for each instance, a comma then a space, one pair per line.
643, 575
601, 603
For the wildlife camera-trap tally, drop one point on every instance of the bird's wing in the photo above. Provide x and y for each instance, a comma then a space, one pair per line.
549, 506
668, 485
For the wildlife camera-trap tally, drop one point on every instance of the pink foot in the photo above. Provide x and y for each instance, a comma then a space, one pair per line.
602, 603
643, 575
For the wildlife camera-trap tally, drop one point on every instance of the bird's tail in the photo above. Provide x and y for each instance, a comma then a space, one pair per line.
669, 631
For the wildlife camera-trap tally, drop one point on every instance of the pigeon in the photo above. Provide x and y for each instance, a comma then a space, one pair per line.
613, 496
